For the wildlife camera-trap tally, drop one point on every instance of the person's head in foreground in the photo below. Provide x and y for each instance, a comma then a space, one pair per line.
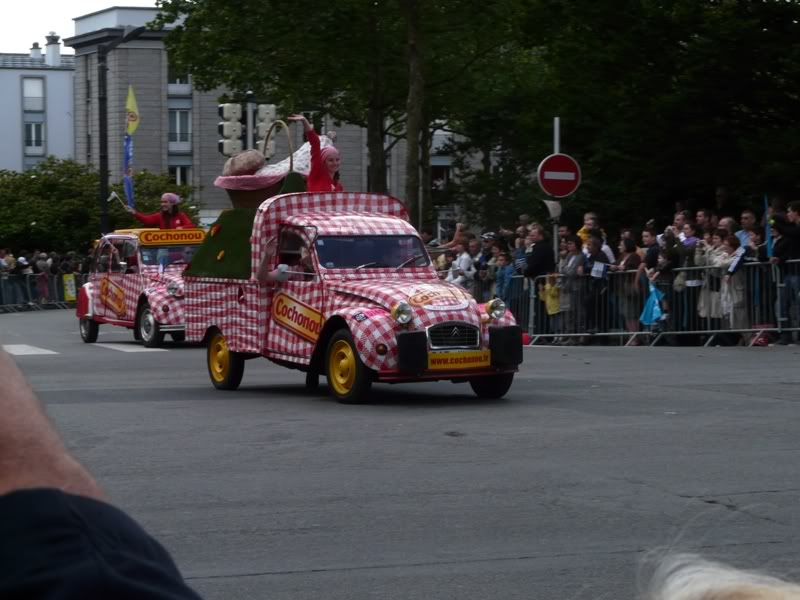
692, 577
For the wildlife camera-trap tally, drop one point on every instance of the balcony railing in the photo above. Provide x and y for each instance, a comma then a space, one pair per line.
180, 142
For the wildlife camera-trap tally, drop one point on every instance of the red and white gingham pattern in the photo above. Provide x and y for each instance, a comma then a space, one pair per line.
153, 285
383, 294
242, 309
352, 223
278, 209
159, 299
283, 341
232, 306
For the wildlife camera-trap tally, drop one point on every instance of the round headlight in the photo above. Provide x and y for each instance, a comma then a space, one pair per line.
496, 308
402, 313
172, 288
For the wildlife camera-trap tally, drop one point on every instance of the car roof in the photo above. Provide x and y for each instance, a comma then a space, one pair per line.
351, 223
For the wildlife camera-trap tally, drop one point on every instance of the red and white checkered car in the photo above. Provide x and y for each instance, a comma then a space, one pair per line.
360, 302
136, 282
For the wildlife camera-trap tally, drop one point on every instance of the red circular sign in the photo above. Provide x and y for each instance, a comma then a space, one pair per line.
559, 175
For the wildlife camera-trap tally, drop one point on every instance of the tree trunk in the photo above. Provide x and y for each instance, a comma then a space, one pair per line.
414, 106
376, 117
377, 154
425, 170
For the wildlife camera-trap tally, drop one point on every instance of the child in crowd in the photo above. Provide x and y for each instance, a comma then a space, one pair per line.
550, 292
503, 277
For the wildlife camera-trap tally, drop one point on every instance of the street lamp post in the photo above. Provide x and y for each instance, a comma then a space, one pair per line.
102, 116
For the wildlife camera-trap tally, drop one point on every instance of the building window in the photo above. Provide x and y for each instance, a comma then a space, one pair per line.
180, 131
179, 125
178, 83
176, 77
180, 175
34, 139
33, 94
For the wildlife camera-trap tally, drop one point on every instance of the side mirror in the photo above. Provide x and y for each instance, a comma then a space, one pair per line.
283, 273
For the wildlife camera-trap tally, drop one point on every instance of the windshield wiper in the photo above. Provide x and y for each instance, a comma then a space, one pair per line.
414, 258
365, 265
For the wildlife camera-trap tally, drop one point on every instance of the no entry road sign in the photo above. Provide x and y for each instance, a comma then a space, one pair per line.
559, 175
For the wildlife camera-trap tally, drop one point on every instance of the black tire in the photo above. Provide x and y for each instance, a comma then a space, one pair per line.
348, 378
225, 368
148, 328
312, 380
89, 329
178, 336
492, 386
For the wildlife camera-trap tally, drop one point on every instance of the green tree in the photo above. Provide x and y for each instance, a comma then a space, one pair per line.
342, 58
671, 101
54, 205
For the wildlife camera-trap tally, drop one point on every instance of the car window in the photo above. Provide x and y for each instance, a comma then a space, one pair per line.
294, 252
103, 258
371, 251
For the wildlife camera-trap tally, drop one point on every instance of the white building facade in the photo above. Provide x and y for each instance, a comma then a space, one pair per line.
37, 104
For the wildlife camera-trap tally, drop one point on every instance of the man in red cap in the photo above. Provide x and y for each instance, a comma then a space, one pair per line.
169, 217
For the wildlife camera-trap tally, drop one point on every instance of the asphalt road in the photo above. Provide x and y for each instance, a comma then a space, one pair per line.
596, 456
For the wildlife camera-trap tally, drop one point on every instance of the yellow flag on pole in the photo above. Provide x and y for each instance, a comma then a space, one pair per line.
132, 110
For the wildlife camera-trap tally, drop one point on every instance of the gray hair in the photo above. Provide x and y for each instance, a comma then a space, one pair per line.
692, 577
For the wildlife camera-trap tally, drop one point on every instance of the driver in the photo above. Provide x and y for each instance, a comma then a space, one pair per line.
393, 255
187, 255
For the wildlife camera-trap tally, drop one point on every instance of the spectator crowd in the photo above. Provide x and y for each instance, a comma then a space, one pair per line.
713, 279
701, 279
35, 277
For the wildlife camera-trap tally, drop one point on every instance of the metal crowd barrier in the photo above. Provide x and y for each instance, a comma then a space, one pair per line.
38, 291
699, 305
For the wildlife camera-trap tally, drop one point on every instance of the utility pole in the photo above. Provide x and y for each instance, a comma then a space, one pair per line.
102, 115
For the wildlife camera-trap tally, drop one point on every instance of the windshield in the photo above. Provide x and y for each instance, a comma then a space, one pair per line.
167, 255
371, 251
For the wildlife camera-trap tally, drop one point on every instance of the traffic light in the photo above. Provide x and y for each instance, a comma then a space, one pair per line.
265, 117
230, 129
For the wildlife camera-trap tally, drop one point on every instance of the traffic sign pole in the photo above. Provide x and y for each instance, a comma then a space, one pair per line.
559, 175
556, 135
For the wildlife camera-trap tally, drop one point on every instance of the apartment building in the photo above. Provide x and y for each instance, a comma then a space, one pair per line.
37, 104
178, 124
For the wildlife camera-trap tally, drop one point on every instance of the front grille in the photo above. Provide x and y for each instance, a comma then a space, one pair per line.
453, 335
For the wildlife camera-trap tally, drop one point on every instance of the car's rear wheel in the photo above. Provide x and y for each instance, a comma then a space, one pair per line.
89, 330
225, 367
492, 386
148, 328
348, 378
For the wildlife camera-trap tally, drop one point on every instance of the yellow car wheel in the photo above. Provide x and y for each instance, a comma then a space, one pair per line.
225, 367
348, 378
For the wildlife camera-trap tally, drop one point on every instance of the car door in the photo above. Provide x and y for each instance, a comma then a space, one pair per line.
98, 277
296, 309
110, 293
132, 280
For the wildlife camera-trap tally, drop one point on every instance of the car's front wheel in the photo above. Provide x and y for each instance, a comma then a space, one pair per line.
148, 328
89, 330
348, 378
492, 386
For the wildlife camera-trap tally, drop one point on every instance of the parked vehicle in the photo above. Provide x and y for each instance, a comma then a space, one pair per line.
135, 281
